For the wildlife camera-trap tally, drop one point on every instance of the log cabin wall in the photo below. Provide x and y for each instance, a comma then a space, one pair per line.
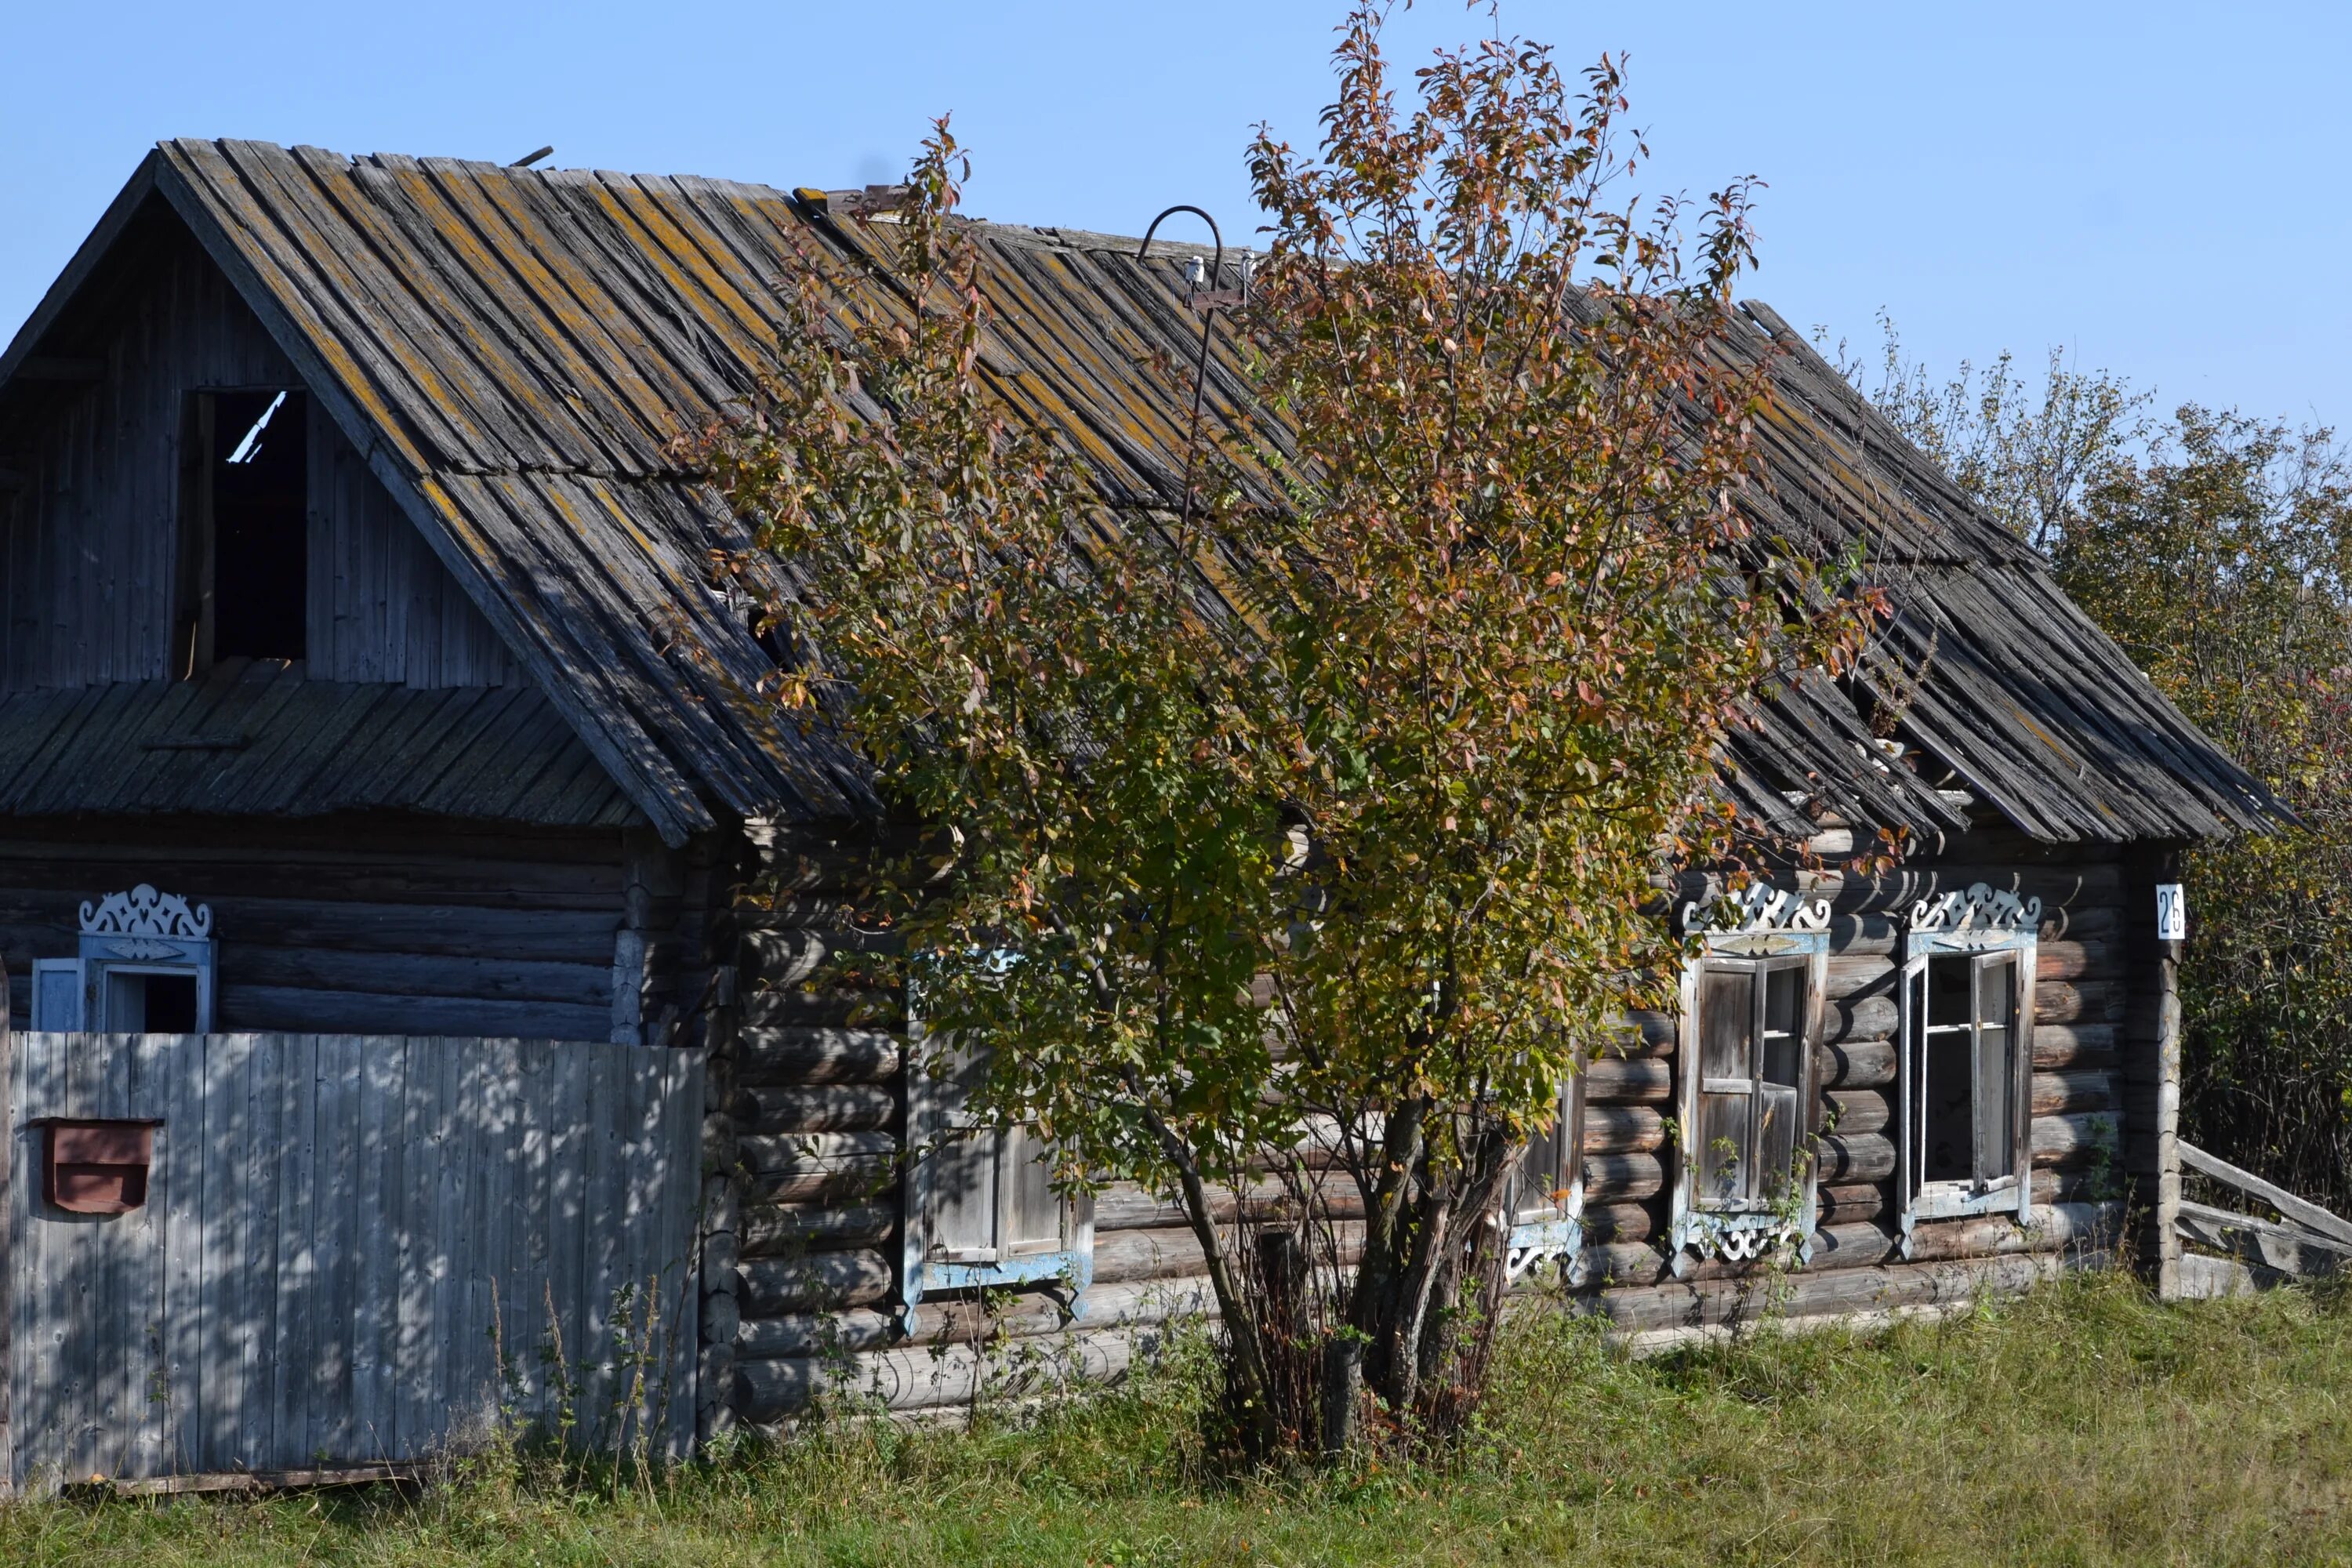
92, 535
392, 926
808, 1104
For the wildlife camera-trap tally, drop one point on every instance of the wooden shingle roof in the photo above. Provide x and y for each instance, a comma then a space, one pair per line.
513, 348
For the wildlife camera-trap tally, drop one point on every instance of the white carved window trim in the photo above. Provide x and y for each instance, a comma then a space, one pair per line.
137, 932
1982, 924
1754, 932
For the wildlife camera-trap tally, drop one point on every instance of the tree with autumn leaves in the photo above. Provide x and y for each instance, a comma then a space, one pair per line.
1300, 850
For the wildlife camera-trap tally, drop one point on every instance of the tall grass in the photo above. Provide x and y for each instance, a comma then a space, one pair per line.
2082, 1423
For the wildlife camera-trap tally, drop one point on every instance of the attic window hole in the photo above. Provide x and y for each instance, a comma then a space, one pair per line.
259, 526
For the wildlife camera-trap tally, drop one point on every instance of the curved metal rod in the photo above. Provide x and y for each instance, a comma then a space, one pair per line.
1200, 363
1143, 248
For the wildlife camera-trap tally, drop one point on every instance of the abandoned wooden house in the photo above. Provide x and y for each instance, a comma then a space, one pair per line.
409, 917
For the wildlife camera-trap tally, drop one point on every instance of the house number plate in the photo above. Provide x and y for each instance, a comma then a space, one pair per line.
2171, 913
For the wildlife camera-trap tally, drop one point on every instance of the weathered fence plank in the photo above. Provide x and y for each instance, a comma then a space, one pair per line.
349, 1242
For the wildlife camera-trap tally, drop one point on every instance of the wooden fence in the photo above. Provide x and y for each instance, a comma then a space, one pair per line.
2234, 1251
353, 1251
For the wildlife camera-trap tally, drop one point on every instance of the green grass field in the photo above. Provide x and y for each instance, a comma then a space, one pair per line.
2083, 1424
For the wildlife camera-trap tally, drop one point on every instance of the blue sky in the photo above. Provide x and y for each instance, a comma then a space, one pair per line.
2153, 186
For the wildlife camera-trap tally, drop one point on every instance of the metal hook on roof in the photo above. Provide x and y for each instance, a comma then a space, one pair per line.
1144, 249
1206, 301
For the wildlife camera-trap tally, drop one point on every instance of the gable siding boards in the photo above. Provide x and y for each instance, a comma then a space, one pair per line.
92, 543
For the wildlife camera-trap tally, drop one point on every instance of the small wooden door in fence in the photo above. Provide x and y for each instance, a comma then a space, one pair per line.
351, 1250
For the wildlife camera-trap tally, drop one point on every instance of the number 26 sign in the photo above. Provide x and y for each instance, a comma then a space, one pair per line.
2171, 913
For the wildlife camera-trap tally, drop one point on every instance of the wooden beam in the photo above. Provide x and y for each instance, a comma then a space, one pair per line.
53, 367
2257, 1241
2309, 1216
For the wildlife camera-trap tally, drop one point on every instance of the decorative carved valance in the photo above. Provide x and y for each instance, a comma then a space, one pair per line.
144, 912
1758, 907
1981, 908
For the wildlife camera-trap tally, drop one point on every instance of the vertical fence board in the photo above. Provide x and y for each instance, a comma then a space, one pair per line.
179, 1148
334, 1222
153, 1078
563, 1306
374, 1341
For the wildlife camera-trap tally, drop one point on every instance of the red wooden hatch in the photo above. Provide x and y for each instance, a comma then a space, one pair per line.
95, 1165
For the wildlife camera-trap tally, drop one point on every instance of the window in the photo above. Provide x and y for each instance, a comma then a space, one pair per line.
245, 532
1752, 1023
979, 1206
1967, 1056
144, 966
1545, 1202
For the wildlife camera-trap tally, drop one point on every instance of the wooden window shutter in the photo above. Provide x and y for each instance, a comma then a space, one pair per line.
57, 993
980, 1204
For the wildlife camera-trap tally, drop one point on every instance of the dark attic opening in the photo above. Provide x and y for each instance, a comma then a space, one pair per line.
249, 528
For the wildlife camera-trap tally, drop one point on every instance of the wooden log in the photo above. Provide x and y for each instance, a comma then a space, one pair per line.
1616, 1264
978, 1318
1858, 1111
769, 1230
769, 1286
2082, 1185
2060, 889
1858, 1064
811, 1056
1617, 1177
1861, 1157
2077, 1140
2083, 1001
1622, 1129
1122, 1256
1861, 1019
816, 1006
1808, 1293
770, 1152
785, 958
814, 1108
1850, 1244
1854, 935
1650, 1034
2051, 1230
1626, 1222
2058, 1046
1852, 976
870, 1178
1845, 1204
1626, 1081
2056, 1093
934, 1376
2078, 961
1126, 1206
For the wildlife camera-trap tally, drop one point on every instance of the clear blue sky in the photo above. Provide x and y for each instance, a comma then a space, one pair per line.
2154, 185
